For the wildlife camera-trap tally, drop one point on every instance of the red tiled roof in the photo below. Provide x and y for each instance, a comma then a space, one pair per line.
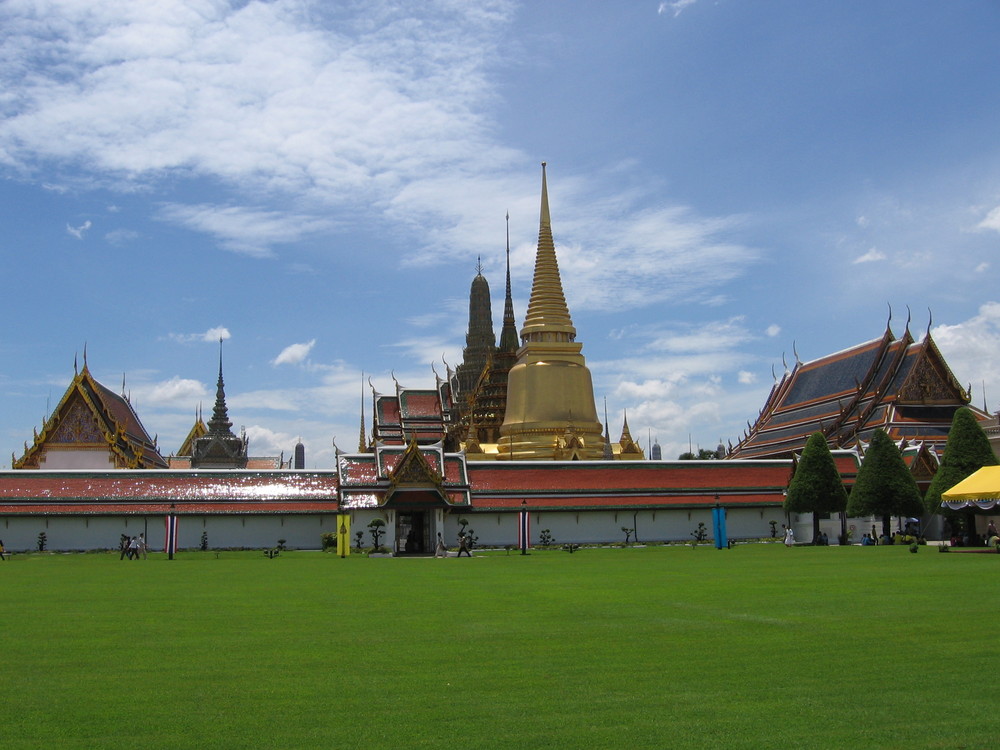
156, 486
633, 484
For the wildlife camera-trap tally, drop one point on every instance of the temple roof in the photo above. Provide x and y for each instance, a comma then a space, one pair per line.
198, 429
632, 485
89, 414
902, 386
156, 491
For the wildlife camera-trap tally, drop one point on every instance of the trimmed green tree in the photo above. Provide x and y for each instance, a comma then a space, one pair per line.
967, 450
816, 487
884, 485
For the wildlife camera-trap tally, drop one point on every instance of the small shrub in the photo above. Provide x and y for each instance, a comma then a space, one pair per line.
377, 529
545, 537
42, 541
204, 542
628, 533
281, 544
328, 540
700, 534
359, 543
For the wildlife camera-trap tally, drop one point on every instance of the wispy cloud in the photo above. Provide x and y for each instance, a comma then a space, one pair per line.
676, 7
992, 220
212, 335
244, 230
176, 391
294, 354
870, 257
121, 236
242, 97
78, 231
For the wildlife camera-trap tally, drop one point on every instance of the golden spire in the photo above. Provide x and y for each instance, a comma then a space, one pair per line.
550, 411
547, 310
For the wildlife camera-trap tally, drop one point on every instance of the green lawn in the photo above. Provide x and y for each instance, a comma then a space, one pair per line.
758, 646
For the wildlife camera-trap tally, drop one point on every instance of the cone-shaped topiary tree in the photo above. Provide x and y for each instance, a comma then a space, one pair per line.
884, 486
816, 487
967, 450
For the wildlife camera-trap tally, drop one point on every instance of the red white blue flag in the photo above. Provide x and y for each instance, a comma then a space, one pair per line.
170, 543
523, 530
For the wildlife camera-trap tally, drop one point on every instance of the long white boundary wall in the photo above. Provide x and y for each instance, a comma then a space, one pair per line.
75, 533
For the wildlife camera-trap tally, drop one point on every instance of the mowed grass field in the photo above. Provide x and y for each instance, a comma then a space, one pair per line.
758, 646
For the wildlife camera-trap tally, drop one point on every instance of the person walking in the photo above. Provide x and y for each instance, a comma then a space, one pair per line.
789, 536
439, 549
463, 545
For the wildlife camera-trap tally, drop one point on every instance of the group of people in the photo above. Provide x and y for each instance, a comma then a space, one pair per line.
132, 546
463, 546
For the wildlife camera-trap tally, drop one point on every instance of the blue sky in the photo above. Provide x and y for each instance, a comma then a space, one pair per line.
314, 181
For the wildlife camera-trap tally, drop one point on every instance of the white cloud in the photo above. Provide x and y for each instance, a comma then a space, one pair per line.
871, 256
982, 267
361, 114
121, 236
972, 350
773, 330
244, 230
992, 220
266, 442
677, 6
176, 391
745, 377
212, 335
78, 231
294, 354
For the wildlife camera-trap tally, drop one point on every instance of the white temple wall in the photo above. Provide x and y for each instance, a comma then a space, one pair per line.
77, 533
98, 459
604, 526
304, 532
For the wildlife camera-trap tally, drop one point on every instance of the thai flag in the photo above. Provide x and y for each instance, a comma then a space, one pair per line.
170, 543
523, 530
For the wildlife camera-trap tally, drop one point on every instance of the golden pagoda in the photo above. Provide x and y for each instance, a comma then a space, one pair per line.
551, 413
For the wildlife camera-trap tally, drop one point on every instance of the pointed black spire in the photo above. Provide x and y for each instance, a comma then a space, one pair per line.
219, 424
508, 334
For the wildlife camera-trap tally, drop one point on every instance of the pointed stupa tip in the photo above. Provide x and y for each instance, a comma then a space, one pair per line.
544, 217
547, 317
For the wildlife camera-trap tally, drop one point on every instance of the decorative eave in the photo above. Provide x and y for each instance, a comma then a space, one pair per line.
413, 470
931, 356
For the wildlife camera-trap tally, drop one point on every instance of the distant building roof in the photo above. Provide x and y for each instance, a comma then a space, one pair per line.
901, 386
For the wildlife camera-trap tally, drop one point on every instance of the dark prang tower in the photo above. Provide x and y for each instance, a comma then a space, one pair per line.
219, 448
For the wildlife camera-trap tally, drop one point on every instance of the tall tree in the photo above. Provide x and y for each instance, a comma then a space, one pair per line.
884, 486
816, 487
967, 450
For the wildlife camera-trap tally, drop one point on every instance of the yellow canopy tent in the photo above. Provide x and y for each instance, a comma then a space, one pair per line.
981, 490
